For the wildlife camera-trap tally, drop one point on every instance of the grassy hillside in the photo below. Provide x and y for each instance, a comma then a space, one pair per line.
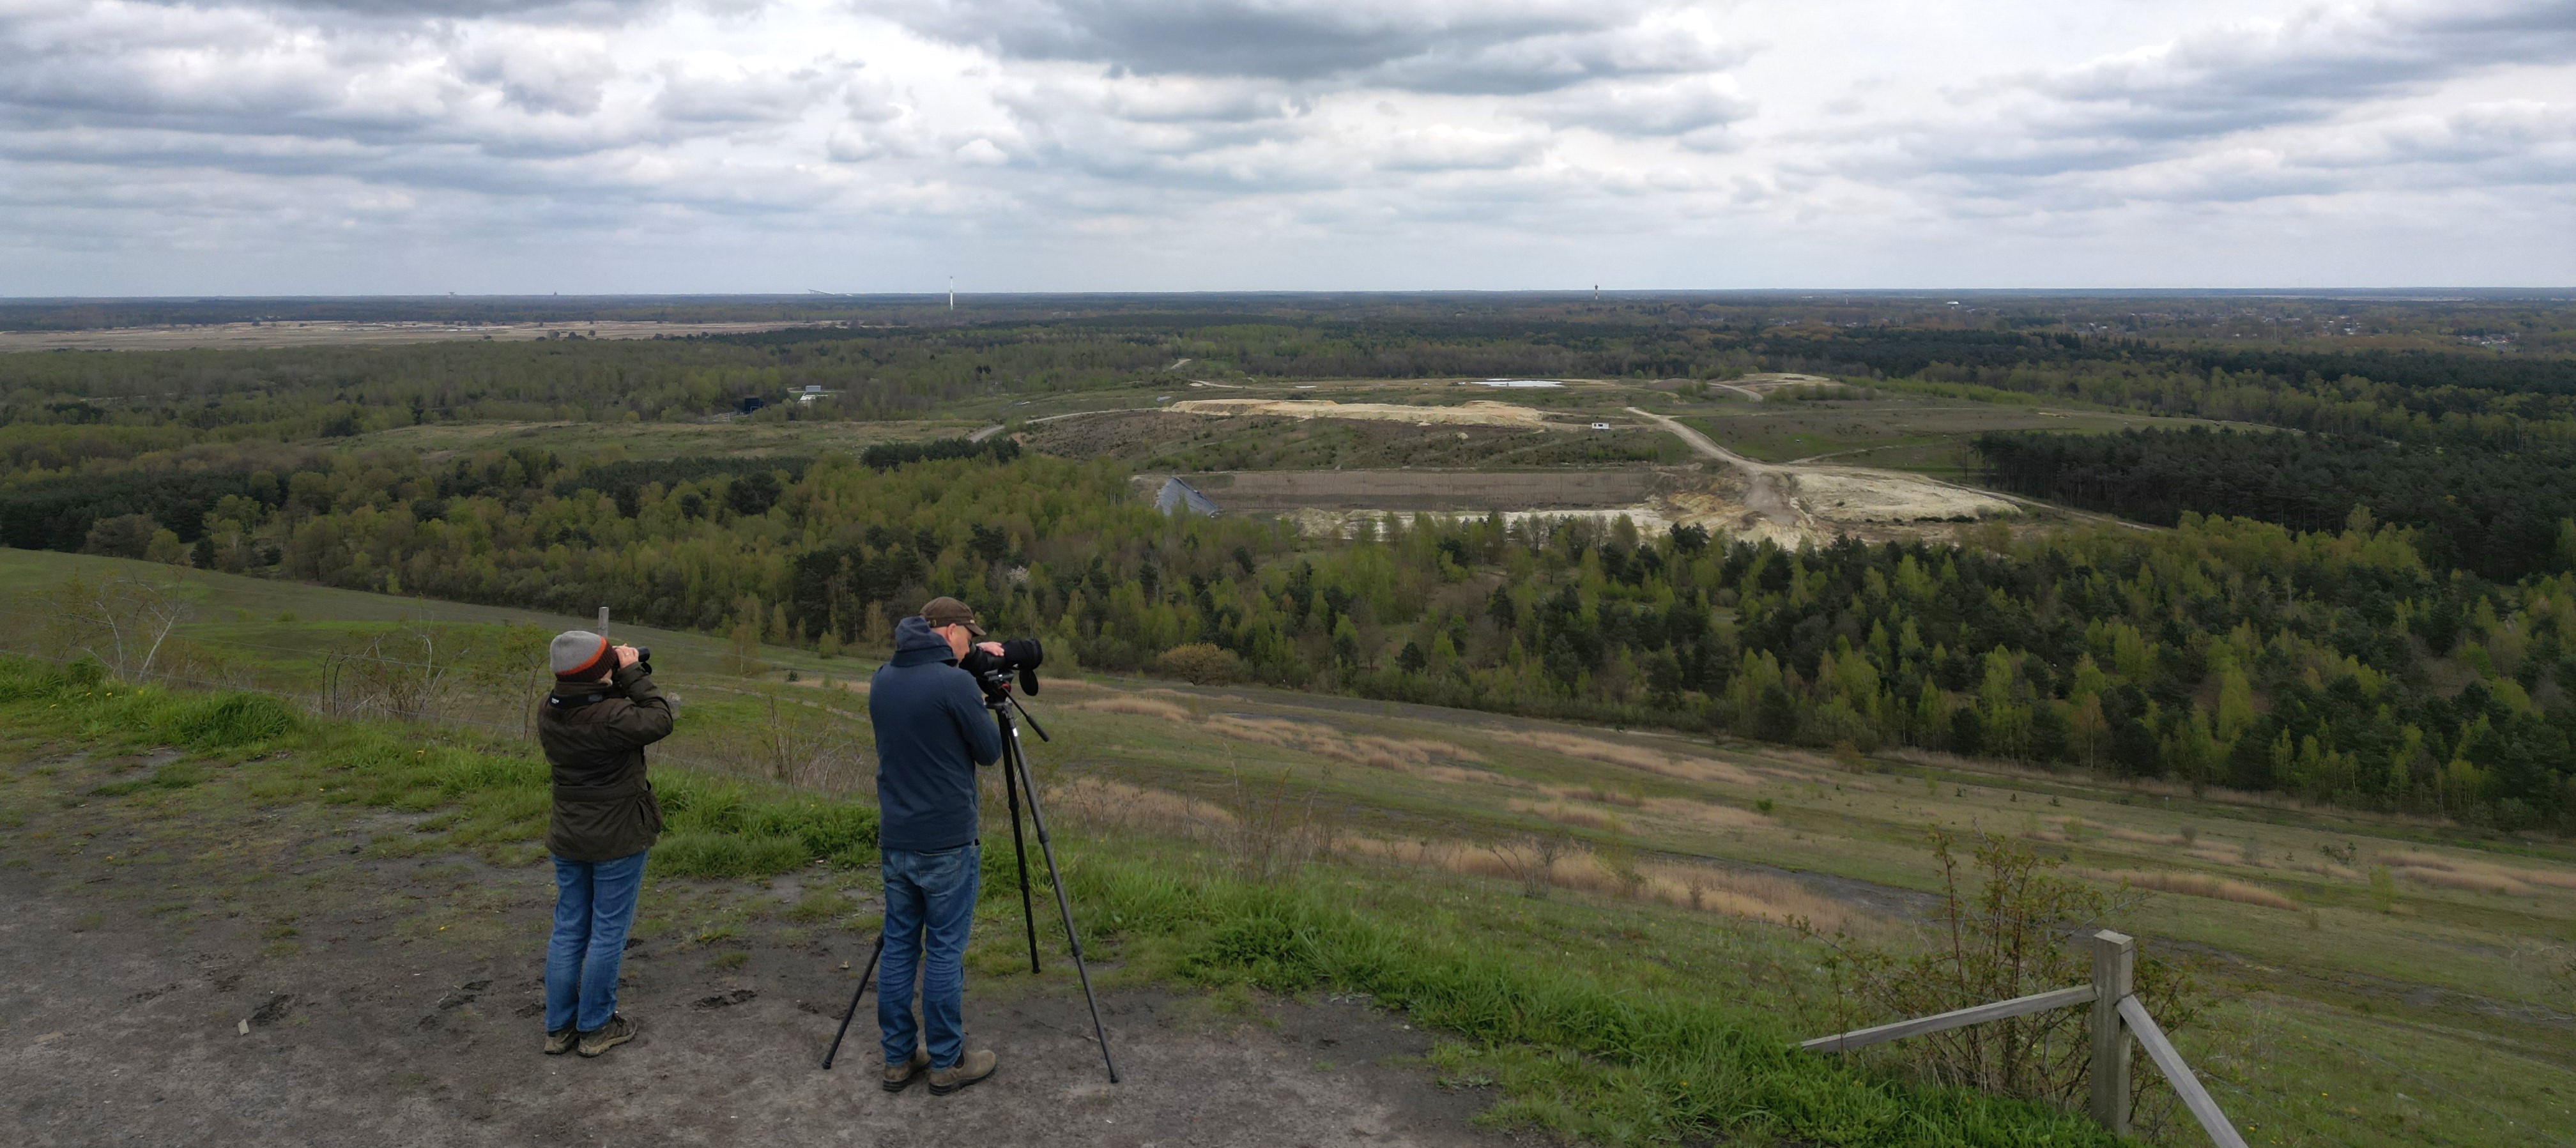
2373, 984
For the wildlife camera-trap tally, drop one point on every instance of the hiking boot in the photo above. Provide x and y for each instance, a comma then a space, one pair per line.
617, 1031
900, 1076
561, 1040
970, 1068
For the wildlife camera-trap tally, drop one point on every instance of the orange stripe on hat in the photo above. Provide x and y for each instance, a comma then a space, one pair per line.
586, 667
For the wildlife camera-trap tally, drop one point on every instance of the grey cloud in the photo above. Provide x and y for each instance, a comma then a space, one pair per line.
2319, 65
742, 97
1661, 109
412, 11
540, 77
1453, 46
2199, 94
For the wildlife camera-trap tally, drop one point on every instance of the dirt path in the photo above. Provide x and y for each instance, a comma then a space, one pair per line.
1766, 491
394, 1001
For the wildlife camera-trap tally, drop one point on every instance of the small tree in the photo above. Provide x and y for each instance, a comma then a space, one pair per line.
120, 621
742, 653
2008, 938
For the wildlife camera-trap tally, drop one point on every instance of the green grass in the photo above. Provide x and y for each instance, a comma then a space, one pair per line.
1896, 432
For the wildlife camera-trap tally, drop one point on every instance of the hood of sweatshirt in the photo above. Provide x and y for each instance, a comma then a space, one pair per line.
916, 644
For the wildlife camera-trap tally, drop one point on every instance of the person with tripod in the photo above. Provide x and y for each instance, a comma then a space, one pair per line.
932, 732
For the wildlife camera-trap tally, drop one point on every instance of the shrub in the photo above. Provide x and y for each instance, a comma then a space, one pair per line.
2008, 940
1202, 663
25, 678
227, 721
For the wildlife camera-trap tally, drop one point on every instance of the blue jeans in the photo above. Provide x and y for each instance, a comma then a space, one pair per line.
930, 906
594, 906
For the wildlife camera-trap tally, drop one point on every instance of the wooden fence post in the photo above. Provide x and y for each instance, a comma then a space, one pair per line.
2115, 961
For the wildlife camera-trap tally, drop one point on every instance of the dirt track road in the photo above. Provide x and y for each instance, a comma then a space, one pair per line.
392, 1001
1766, 490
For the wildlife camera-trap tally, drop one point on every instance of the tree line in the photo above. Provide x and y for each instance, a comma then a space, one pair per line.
2335, 664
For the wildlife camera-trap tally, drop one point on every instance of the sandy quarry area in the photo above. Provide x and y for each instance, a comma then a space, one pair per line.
1478, 413
245, 335
1788, 503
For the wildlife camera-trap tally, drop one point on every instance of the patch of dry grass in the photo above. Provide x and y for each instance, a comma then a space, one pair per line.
2116, 833
1136, 706
1403, 755
1467, 775
1105, 804
1630, 756
1753, 896
2478, 876
2194, 885
2464, 879
1594, 793
1566, 813
1709, 813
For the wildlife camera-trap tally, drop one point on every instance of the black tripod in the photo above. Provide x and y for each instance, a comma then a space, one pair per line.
1015, 779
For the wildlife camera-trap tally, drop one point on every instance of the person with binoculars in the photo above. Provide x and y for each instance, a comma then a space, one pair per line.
601, 713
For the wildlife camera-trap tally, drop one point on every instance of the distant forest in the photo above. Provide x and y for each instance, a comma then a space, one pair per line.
2499, 514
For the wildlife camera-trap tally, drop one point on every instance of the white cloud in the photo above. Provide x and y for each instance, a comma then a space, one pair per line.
266, 145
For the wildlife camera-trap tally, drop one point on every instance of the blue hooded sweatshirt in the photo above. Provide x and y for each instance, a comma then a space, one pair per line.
932, 731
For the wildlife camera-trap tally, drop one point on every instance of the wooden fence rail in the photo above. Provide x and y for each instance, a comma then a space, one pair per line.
2117, 1016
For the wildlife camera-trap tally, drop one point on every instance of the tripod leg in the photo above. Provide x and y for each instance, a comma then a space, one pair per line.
871, 971
1019, 845
1072, 939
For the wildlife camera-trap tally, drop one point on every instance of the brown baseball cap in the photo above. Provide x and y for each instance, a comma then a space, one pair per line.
950, 612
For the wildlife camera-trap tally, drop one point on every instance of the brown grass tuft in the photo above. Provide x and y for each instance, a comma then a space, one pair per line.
1577, 815
1758, 897
2400, 862
1594, 793
2471, 880
1106, 804
1137, 706
1392, 753
1631, 756
1468, 775
2195, 885
1709, 813
2118, 834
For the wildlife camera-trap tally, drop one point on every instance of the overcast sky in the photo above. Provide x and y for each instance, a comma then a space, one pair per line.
502, 146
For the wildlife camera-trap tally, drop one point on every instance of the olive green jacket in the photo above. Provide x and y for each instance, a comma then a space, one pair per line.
594, 736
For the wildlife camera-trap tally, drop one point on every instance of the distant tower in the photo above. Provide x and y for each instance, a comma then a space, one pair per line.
952, 292
1596, 292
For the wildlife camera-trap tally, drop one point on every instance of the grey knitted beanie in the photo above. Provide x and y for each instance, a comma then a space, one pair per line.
579, 654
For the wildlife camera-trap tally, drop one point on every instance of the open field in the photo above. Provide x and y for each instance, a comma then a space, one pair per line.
1153, 440
2378, 980
1894, 431
327, 333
